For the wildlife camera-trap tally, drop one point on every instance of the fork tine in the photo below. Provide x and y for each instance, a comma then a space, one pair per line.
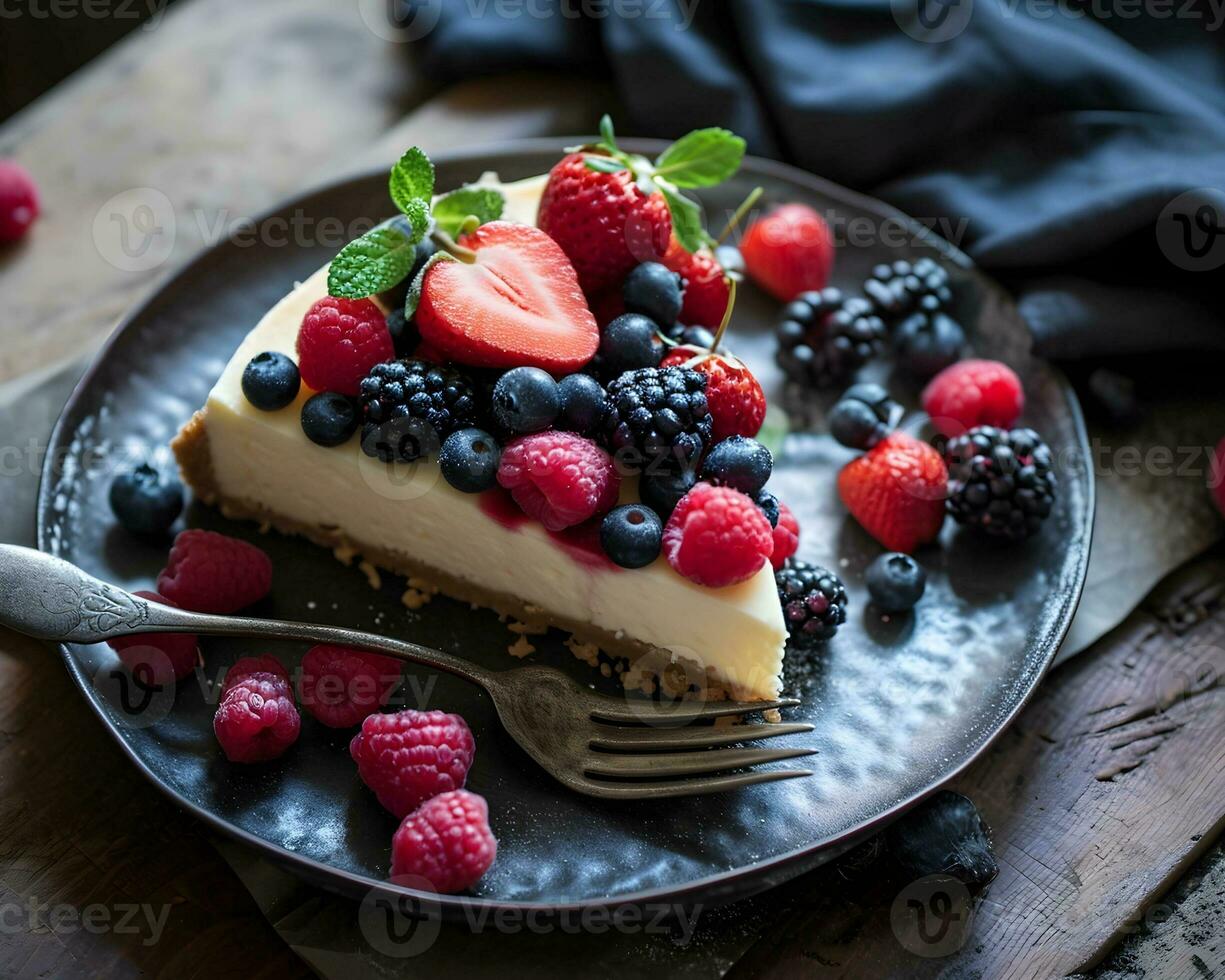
697, 763
640, 739
610, 709
685, 787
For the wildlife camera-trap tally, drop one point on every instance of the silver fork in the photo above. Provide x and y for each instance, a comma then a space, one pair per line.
598, 745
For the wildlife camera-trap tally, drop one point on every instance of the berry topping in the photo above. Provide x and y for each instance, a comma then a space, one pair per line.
157, 658
582, 404
409, 407
863, 416
559, 478
213, 573
517, 303
824, 337
1000, 482
525, 399
895, 582
658, 419
927, 343
329, 418
340, 687
265, 663
447, 842
629, 342
270, 381
256, 720
469, 460
786, 537
145, 500
734, 396
900, 288
653, 290
814, 602
717, 536
896, 490
789, 251
973, 393
18, 201
769, 505
631, 535
409, 756
340, 341
663, 491
740, 463
704, 300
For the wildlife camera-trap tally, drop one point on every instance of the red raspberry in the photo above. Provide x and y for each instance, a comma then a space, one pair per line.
340, 341
786, 536
972, 393
734, 396
247, 666
18, 201
209, 572
157, 658
559, 478
447, 842
717, 536
340, 687
256, 720
409, 756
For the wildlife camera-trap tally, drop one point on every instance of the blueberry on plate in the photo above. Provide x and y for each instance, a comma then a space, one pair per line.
663, 491
146, 501
739, 462
270, 381
469, 460
926, 343
631, 535
863, 416
329, 418
582, 403
895, 582
525, 399
653, 290
628, 343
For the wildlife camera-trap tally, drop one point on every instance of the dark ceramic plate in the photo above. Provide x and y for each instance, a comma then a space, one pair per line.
899, 706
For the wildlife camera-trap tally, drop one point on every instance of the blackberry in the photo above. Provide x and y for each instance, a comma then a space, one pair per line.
814, 602
902, 287
1000, 481
657, 419
825, 337
410, 406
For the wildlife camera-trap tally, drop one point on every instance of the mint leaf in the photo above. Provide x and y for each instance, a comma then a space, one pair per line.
607, 135
378, 260
686, 217
702, 158
412, 179
452, 211
413, 298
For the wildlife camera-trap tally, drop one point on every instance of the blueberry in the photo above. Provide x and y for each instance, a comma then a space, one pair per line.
145, 501
270, 381
769, 506
582, 403
629, 342
663, 491
631, 535
739, 462
653, 290
863, 416
895, 582
404, 333
469, 460
927, 343
525, 399
329, 418
698, 337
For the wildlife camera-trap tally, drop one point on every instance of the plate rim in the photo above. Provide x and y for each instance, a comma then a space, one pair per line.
717, 889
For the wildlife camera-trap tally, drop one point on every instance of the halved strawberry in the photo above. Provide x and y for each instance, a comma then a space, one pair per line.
518, 304
897, 491
706, 292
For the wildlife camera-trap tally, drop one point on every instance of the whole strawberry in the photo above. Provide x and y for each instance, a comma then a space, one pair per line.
789, 251
733, 394
897, 491
706, 291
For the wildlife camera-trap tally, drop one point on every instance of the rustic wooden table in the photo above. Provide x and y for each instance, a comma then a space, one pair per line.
1101, 797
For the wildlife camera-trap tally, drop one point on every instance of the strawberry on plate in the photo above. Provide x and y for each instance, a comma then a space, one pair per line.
897, 491
706, 294
789, 251
518, 303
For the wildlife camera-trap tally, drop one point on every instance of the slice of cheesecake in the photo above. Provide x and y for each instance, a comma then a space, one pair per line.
407, 519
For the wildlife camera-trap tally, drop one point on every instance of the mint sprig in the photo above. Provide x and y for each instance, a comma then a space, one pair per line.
466, 208
377, 261
412, 179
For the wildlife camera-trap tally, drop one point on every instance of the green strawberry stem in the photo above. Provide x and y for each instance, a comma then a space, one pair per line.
738, 214
727, 314
452, 247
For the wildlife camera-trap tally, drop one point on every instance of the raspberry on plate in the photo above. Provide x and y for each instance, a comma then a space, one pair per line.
975, 392
257, 720
789, 251
559, 478
213, 573
897, 491
157, 658
339, 341
447, 842
340, 687
734, 396
717, 536
246, 666
409, 756
786, 537
18, 201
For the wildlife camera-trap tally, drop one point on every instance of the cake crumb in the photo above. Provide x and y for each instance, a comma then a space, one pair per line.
422, 585
415, 598
521, 648
773, 716
344, 554
372, 575
527, 629
589, 653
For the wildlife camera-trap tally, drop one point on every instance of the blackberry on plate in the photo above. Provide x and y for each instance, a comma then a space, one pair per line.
410, 406
902, 287
926, 343
814, 602
825, 337
658, 419
1000, 481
